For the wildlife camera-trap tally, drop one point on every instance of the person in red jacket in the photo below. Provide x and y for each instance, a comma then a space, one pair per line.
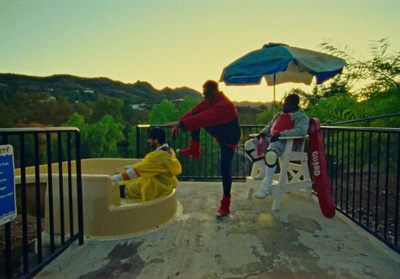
218, 116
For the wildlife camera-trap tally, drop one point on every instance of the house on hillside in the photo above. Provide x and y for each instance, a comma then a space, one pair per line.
177, 102
88, 91
136, 107
51, 98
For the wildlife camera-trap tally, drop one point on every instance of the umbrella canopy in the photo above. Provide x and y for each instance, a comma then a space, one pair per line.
280, 63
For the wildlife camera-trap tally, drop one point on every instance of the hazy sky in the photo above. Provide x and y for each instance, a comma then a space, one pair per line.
175, 43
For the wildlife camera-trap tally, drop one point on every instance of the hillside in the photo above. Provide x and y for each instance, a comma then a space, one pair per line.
70, 86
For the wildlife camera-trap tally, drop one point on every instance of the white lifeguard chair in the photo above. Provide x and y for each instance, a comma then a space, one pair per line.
294, 173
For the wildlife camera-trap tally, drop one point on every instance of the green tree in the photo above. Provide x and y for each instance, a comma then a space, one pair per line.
20, 103
84, 110
187, 105
266, 116
134, 116
381, 72
163, 113
99, 139
247, 114
337, 108
106, 106
338, 85
378, 95
62, 111
47, 110
7, 116
382, 104
104, 137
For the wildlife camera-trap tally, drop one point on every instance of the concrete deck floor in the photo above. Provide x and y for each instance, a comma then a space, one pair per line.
252, 242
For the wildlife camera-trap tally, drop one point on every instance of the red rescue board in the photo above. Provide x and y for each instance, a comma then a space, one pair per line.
320, 173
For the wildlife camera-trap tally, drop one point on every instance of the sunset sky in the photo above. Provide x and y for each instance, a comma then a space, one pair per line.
175, 43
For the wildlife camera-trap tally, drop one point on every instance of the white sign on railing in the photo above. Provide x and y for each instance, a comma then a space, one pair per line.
8, 210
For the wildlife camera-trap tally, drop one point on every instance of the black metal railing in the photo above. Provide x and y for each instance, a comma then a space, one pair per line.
366, 120
363, 166
39, 154
207, 168
364, 170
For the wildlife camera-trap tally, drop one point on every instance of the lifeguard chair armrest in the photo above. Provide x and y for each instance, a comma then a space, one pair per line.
293, 137
284, 138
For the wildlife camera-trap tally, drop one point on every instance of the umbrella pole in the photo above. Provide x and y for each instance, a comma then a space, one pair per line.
273, 104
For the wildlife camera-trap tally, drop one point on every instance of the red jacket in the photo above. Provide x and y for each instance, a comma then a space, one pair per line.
220, 111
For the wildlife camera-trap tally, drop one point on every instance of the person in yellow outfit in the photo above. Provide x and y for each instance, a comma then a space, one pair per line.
156, 175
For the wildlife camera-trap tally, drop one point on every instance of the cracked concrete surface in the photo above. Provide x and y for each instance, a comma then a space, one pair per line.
252, 242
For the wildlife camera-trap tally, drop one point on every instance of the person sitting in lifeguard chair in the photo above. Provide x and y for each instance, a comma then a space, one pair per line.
267, 147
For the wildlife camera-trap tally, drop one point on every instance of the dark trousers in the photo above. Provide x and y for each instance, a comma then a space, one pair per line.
227, 153
225, 164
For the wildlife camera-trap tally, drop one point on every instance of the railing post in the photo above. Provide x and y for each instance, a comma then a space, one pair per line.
23, 205
50, 191
137, 141
70, 198
61, 189
79, 186
38, 201
396, 225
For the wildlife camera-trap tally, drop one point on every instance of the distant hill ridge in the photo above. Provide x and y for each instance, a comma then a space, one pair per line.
139, 92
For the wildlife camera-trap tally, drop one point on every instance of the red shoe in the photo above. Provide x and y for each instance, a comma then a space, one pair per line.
224, 209
193, 151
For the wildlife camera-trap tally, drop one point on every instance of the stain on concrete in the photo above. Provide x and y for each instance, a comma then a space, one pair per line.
304, 224
218, 259
199, 242
124, 263
156, 261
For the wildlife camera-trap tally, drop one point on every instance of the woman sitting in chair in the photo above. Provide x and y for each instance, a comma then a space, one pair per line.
291, 121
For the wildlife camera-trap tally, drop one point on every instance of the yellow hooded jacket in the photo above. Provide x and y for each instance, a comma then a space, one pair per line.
156, 176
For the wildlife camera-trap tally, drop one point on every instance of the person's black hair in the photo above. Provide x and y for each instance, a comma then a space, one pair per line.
211, 84
293, 99
157, 133
291, 103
